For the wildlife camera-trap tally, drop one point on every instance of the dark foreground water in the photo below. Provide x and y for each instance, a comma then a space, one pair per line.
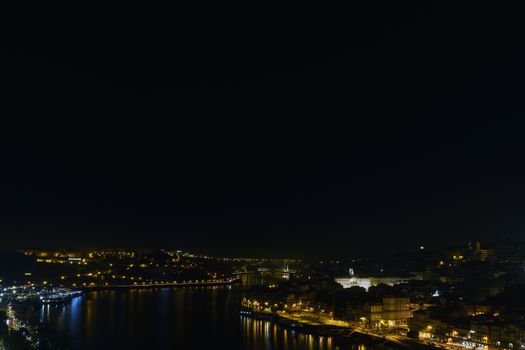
191, 318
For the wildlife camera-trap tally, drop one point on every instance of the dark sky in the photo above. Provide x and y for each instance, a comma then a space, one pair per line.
261, 129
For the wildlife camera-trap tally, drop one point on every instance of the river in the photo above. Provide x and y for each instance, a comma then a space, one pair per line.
169, 318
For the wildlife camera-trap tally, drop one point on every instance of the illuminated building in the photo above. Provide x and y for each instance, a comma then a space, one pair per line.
392, 312
367, 282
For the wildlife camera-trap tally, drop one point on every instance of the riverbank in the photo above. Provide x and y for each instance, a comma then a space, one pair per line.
19, 332
342, 335
161, 285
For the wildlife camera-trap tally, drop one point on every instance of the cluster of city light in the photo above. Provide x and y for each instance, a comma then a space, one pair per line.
108, 268
299, 311
59, 296
57, 257
33, 292
234, 259
454, 338
62, 260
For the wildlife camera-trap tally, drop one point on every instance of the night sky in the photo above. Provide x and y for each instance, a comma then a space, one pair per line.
259, 128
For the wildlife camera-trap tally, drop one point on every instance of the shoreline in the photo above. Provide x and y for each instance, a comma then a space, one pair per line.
341, 334
159, 285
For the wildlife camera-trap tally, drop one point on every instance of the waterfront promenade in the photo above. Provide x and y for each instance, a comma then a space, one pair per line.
346, 334
203, 283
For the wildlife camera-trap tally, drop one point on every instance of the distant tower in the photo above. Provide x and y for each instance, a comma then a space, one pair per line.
351, 272
478, 247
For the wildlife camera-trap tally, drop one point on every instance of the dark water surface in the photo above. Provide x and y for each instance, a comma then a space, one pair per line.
189, 318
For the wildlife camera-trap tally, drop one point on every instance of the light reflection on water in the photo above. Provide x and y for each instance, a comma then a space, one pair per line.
191, 318
266, 335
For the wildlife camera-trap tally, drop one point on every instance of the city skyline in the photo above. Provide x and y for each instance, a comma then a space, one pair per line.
258, 176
